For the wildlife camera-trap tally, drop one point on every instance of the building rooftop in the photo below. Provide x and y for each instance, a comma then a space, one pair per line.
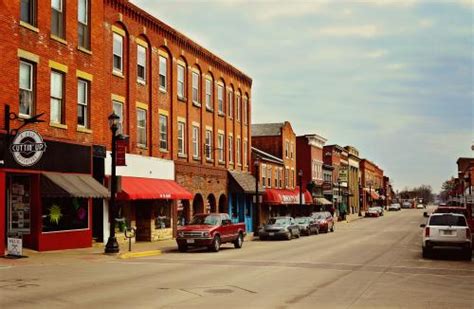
267, 129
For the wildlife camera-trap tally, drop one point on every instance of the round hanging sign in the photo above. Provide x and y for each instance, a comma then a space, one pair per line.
27, 148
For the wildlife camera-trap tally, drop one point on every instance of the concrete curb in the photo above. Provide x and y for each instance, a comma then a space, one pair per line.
131, 255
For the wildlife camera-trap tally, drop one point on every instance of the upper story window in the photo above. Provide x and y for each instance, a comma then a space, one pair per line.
277, 177
264, 175
141, 64
291, 150
287, 176
57, 18
163, 75
57, 102
196, 87
245, 151
231, 149
181, 138
269, 176
181, 81
220, 99
196, 142
238, 151
245, 110
28, 12
83, 29
27, 89
141, 127
238, 108
230, 104
287, 148
209, 94
280, 177
118, 110
83, 103
118, 52
209, 149
220, 146
163, 132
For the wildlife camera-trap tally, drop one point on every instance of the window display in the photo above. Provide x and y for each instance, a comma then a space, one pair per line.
19, 204
63, 214
162, 216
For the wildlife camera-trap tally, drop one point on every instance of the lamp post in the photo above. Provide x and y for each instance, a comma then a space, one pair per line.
256, 165
339, 202
300, 175
370, 194
360, 209
112, 245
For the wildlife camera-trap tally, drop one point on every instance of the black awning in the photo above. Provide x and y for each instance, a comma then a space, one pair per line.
71, 185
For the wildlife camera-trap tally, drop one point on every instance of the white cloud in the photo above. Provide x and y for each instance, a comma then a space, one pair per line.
276, 10
395, 66
365, 31
399, 3
425, 23
379, 53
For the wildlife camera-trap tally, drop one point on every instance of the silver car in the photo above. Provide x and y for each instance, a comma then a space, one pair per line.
280, 227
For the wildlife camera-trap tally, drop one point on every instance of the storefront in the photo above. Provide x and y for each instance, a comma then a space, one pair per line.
148, 198
242, 189
283, 202
46, 199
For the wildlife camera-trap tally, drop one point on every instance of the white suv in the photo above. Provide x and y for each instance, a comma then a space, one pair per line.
447, 230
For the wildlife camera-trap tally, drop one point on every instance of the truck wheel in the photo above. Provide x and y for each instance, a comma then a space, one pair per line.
468, 254
239, 241
216, 244
426, 252
182, 248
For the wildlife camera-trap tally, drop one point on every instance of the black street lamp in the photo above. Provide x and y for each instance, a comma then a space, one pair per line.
256, 165
360, 204
300, 175
370, 194
112, 245
339, 202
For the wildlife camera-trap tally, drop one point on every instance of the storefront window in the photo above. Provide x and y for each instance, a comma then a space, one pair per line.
19, 200
64, 214
162, 216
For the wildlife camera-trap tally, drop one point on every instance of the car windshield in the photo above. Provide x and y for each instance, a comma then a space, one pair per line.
448, 220
278, 221
206, 220
301, 220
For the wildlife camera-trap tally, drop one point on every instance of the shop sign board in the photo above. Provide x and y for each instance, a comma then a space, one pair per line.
120, 151
343, 174
15, 246
27, 148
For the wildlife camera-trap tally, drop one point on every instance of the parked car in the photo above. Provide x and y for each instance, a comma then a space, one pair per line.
372, 212
307, 225
379, 209
406, 205
420, 206
446, 230
394, 207
280, 227
325, 220
210, 230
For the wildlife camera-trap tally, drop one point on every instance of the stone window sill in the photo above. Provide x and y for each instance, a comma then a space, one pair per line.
58, 39
84, 50
118, 74
84, 130
29, 26
58, 125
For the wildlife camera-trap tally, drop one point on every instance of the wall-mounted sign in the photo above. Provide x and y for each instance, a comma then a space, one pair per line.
343, 174
120, 151
27, 148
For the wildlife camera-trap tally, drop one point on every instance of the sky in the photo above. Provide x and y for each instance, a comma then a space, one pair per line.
394, 78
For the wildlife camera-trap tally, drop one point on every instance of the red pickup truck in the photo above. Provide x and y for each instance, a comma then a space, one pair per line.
210, 230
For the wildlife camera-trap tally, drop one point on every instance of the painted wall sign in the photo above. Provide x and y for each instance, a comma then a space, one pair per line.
27, 148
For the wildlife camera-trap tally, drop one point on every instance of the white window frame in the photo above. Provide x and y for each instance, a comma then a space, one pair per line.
287, 148
60, 12
208, 141
238, 109
221, 147
195, 85
269, 176
163, 74
209, 94
195, 135
141, 62
230, 141
245, 152
182, 83
57, 99
220, 99
182, 138
83, 21
120, 114
238, 151
30, 89
230, 103
144, 128
84, 105
292, 146
117, 39
263, 171
163, 119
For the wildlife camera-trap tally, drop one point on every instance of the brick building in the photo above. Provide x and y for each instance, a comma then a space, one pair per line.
337, 157
274, 148
309, 160
185, 111
371, 183
354, 178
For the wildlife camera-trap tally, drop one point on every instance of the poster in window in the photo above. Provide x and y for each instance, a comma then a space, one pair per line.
19, 204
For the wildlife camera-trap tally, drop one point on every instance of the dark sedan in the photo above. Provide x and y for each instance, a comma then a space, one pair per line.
325, 221
279, 227
307, 225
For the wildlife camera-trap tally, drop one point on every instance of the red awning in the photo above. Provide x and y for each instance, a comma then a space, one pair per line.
286, 197
373, 194
135, 188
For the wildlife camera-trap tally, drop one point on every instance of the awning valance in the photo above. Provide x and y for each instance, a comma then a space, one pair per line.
71, 185
136, 188
322, 201
286, 197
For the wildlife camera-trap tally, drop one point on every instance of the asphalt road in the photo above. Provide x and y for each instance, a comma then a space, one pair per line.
369, 263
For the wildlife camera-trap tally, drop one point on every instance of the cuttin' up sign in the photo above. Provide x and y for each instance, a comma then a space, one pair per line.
27, 148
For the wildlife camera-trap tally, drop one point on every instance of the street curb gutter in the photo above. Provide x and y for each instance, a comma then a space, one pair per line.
131, 255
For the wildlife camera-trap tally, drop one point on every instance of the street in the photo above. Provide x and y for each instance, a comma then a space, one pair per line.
368, 263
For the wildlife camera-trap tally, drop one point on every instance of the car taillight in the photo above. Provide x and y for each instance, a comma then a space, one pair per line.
468, 233
427, 232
